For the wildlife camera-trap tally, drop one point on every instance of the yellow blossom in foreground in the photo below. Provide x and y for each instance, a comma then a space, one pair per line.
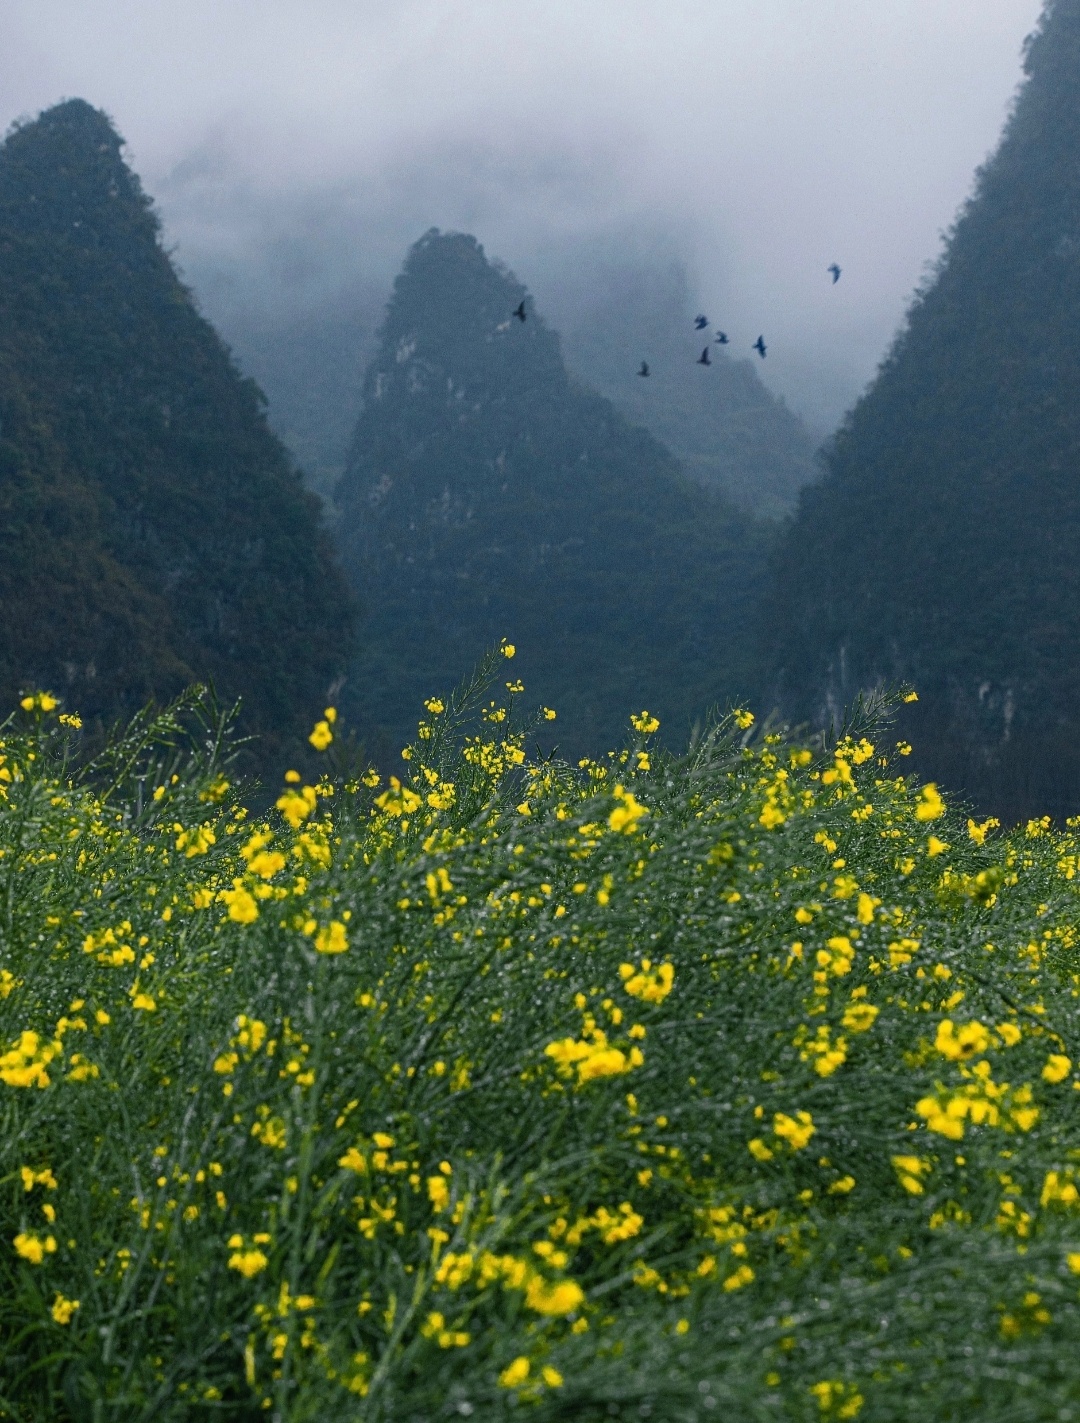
977, 833
651, 986
246, 1260
796, 1131
593, 1059
33, 1247
742, 1276
25, 1063
515, 1373
296, 806
627, 813
836, 1398
1059, 1189
62, 1309
321, 736
242, 906
645, 723
930, 806
859, 1017
1057, 1068
559, 1297
332, 938
31, 1178
971, 1040
196, 841
43, 701
910, 1170
947, 1119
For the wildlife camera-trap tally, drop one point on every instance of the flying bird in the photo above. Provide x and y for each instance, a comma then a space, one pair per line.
644, 369
835, 270
519, 312
700, 323
721, 338
703, 359
759, 346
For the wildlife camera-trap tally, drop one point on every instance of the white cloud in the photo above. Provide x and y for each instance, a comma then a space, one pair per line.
765, 137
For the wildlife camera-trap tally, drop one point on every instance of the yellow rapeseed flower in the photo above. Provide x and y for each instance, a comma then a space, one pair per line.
332, 939
62, 1309
33, 1248
1057, 1068
242, 906
796, 1130
930, 806
515, 1373
649, 984
553, 1297
321, 736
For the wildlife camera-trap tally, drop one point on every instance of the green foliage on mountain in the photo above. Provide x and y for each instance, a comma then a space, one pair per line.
488, 496
720, 422
942, 546
152, 529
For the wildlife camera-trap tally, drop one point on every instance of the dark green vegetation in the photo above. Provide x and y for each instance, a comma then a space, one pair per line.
943, 544
488, 495
152, 529
733, 1086
720, 422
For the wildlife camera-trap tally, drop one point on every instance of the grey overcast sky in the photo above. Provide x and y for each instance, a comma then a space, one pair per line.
295, 147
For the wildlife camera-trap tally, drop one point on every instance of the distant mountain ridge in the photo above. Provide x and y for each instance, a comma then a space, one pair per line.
943, 545
722, 424
152, 529
488, 495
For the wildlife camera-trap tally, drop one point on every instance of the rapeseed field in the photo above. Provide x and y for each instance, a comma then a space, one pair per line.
734, 1084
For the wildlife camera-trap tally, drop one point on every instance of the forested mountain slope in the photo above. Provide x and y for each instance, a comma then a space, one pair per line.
152, 529
944, 544
487, 495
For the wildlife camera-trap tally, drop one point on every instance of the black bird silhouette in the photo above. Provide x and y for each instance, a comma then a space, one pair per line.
703, 359
835, 270
759, 346
644, 369
700, 323
520, 312
721, 338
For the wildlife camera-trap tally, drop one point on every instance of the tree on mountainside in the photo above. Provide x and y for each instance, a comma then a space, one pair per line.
153, 531
487, 495
944, 544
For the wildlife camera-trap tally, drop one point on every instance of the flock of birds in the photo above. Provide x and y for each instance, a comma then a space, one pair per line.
701, 323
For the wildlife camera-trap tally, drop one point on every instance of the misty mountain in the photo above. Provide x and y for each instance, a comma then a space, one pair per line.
308, 351
310, 364
487, 495
726, 429
944, 543
153, 530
